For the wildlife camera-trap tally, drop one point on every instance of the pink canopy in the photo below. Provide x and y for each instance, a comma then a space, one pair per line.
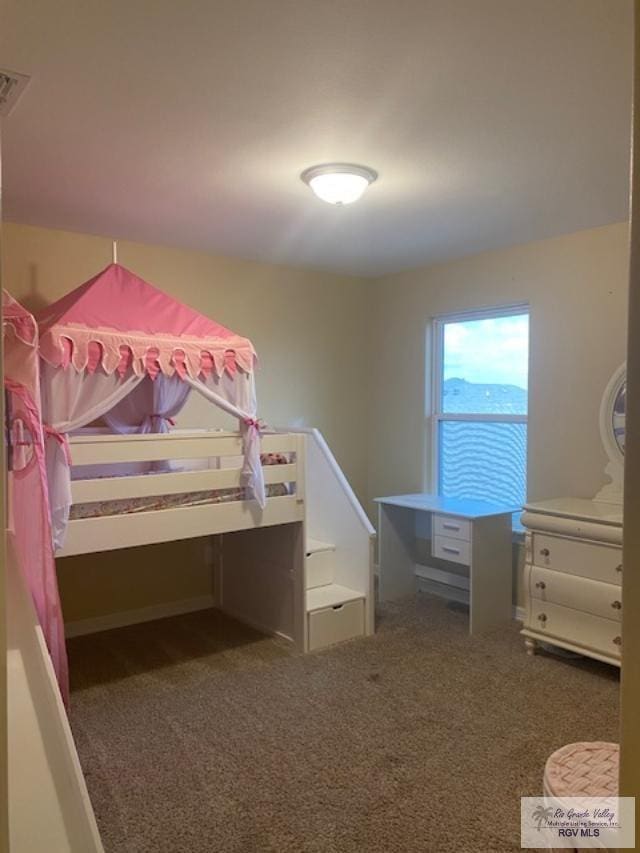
118, 348
29, 518
120, 321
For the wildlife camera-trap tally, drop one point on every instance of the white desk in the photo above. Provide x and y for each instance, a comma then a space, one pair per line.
470, 533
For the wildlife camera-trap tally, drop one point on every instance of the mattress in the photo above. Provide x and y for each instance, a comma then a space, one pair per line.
128, 506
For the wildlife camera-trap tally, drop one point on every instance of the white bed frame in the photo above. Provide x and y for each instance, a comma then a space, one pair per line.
301, 568
105, 533
257, 577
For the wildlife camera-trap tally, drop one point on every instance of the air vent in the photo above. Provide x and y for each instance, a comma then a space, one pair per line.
12, 85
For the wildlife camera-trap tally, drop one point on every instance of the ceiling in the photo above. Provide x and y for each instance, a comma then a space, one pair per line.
490, 122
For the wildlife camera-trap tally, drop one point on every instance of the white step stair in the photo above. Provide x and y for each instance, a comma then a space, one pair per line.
315, 546
339, 563
330, 595
320, 563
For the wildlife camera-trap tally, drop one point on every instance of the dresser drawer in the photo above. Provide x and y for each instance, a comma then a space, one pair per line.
588, 559
452, 527
455, 550
335, 624
574, 626
600, 599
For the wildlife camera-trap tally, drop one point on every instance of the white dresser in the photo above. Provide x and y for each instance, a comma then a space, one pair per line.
573, 576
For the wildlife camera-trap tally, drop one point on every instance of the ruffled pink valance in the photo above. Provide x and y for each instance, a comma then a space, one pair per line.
120, 322
88, 348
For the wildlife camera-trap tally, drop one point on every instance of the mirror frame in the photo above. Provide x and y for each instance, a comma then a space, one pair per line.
612, 492
609, 397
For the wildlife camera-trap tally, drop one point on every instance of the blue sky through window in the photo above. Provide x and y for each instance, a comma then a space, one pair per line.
492, 351
484, 383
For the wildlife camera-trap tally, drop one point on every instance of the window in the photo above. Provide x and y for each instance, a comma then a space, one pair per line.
480, 387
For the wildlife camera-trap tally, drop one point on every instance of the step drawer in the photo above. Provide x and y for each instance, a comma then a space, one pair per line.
574, 626
588, 559
455, 550
601, 599
452, 527
335, 624
319, 567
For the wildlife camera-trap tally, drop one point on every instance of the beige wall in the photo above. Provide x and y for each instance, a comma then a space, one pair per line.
576, 287
348, 346
310, 334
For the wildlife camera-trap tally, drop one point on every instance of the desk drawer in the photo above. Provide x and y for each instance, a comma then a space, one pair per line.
587, 559
455, 550
452, 527
601, 599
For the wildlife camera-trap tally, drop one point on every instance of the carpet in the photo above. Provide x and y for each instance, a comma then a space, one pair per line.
199, 735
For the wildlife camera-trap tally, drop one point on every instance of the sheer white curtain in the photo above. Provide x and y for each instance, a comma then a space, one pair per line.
151, 406
71, 400
236, 395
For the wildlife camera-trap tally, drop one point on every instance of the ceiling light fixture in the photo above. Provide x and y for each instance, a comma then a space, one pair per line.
339, 183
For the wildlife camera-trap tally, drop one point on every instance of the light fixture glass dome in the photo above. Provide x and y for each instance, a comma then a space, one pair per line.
339, 183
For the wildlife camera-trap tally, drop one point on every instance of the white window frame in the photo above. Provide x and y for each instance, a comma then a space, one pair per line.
437, 360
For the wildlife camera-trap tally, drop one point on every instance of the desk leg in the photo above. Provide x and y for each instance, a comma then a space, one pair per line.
396, 533
491, 573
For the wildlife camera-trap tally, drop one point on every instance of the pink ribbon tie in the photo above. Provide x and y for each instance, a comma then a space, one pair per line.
164, 418
62, 440
255, 423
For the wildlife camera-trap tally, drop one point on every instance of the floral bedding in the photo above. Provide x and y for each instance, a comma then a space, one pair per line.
127, 506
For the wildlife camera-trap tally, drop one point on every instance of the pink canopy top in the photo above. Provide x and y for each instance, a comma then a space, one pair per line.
118, 320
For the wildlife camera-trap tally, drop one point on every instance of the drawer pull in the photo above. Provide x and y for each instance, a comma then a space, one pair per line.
541, 585
448, 526
450, 550
617, 605
617, 641
619, 568
543, 617
545, 552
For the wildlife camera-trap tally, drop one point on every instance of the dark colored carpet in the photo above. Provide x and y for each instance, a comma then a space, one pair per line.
198, 735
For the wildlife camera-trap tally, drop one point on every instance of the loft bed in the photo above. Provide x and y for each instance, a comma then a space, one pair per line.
117, 351
120, 501
259, 581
